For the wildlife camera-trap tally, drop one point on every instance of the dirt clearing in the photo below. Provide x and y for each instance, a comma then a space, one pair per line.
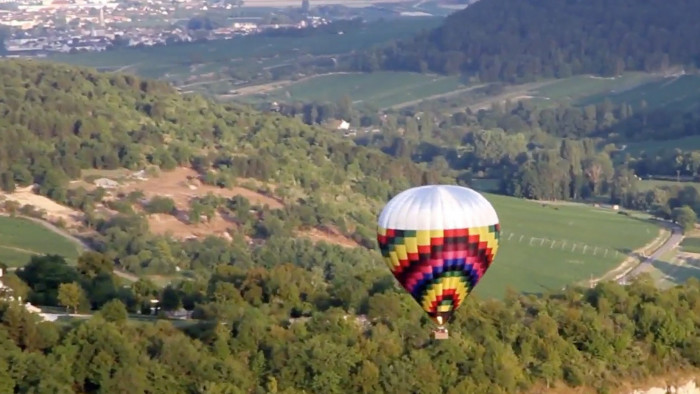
182, 186
54, 211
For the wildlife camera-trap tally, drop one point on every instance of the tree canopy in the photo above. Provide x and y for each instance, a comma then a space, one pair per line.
58, 121
593, 339
512, 40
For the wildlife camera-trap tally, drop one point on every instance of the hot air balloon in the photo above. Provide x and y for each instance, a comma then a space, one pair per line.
438, 241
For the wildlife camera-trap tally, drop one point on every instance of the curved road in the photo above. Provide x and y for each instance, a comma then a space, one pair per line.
672, 241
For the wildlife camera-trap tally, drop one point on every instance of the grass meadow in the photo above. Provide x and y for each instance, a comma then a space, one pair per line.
691, 245
649, 184
21, 238
548, 246
691, 142
682, 93
379, 89
170, 60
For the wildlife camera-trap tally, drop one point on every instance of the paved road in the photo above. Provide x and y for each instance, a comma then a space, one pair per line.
673, 241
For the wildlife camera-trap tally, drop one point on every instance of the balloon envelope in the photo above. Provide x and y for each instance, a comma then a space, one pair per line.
438, 241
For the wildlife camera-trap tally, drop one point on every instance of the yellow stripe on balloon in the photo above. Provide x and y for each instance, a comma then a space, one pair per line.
423, 237
443, 284
411, 244
394, 258
437, 233
401, 252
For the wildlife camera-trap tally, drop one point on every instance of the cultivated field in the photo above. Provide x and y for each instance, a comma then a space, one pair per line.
686, 143
658, 90
578, 89
681, 93
548, 246
396, 89
648, 184
211, 60
691, 245
379, 89
21, 238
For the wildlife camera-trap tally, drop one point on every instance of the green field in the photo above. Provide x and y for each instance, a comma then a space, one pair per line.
379, 89
577, 88
691, 245
167, 61
686, 143
22, 238
680, 93
385, 89
649, 184
533, 265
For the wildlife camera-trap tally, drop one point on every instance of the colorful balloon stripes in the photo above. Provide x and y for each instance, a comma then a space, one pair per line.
439, 267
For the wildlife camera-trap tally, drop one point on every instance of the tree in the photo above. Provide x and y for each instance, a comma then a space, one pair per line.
170, 299
685, 217
70, 295
91, 264
44, 274
114, 311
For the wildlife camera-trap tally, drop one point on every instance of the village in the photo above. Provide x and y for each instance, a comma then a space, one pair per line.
66, 26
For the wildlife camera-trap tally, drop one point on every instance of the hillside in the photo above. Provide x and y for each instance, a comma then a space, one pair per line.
165, 162
513, 40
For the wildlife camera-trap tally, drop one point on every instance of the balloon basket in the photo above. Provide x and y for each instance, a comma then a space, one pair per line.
440, 333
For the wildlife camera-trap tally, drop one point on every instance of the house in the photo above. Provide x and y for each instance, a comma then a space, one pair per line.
343, 125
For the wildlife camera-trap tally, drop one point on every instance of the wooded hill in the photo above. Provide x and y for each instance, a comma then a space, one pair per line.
57, 121
512, 40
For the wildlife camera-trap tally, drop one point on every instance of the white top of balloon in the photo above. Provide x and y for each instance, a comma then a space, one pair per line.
437, 207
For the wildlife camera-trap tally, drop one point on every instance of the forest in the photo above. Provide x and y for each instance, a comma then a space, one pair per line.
282, 330
54, 127
518, 41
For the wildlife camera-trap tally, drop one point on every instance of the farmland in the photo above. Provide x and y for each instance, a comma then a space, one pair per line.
391, 89
190, 61
21, 238
686, 143
543, 246
547, 246
649, 184
379, 89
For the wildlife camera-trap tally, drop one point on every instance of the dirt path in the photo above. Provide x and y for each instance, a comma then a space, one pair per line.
16, 249
435, 97
514, 93
268, 87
